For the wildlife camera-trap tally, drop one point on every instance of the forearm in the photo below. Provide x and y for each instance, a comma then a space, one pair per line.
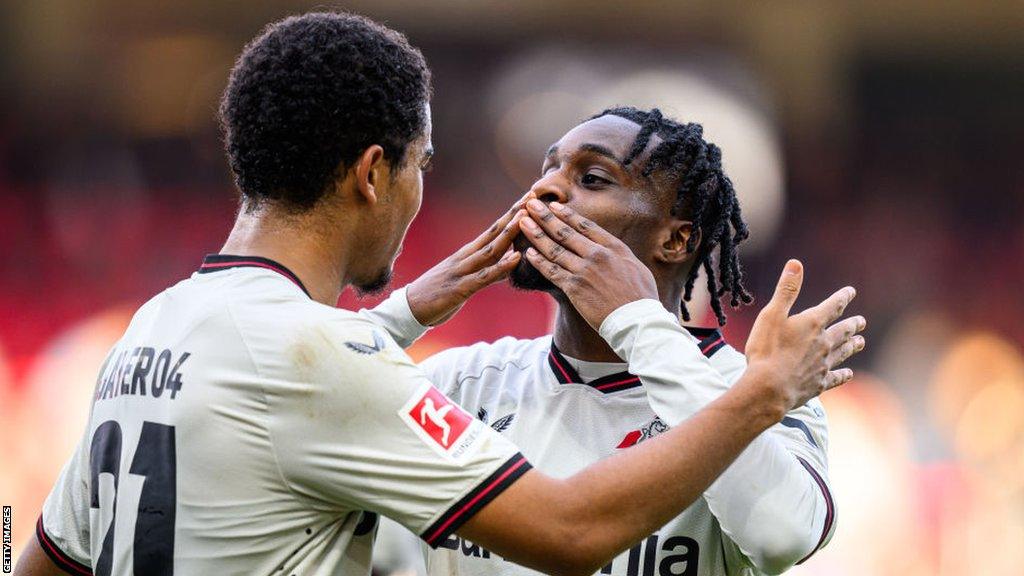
770, 505
576, 525
35, 562
631, 495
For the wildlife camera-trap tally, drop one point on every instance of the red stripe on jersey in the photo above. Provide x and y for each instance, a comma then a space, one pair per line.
704, 350
209, 266
433, 536
830, 507
59, 558
559, 365
632, 380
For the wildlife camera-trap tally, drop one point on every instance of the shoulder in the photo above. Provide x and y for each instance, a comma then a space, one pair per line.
301, 340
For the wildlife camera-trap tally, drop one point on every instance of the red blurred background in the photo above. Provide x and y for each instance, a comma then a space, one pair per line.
878, 143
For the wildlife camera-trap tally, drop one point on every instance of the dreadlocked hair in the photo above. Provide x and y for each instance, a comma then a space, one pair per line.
705, 196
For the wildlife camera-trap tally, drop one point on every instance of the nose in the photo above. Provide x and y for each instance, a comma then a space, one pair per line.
551, 188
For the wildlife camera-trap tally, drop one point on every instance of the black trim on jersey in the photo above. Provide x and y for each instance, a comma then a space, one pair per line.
791, 422
830, 507
566, 374
711, 339
58, 556
477, 498
218, 262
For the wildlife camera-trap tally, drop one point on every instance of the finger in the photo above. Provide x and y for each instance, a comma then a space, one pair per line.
832, 308
837, 378
491, 251
788, 288
551, 270
844, 330
499, 225
490, 274
559, 228
550, 249
843, 352
589, 233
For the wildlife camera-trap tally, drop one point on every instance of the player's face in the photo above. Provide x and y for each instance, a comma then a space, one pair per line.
584, 170
403, 195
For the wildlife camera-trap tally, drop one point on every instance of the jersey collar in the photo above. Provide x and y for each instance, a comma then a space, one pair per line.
566, 374
218, 262
711, 341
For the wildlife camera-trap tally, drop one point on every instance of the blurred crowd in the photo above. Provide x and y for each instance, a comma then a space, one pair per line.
896, 170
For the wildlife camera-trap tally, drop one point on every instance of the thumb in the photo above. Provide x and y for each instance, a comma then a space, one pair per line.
788, 287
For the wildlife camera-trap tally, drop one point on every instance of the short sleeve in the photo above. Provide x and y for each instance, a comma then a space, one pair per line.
63, 527
358, 426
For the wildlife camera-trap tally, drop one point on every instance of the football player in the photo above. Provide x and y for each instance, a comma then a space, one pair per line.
569, 400
244, 425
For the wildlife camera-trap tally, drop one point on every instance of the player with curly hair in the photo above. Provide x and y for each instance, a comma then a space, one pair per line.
244, 425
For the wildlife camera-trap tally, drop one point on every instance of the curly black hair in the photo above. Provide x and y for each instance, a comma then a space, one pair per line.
704, 195
310, 94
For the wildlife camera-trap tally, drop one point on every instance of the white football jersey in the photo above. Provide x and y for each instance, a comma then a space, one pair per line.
529, 392
239, 427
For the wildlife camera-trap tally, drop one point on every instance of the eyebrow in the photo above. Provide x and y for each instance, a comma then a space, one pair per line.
598, 149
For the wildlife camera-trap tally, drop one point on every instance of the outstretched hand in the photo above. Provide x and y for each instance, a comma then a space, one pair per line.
441, 291
800, 354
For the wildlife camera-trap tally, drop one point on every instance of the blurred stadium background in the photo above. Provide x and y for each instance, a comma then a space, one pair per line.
880, 142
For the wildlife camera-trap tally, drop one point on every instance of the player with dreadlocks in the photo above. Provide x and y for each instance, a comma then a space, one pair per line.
704, 192
628, 179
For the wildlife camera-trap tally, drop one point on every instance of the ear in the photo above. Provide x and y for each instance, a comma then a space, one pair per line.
673, 240
370, 169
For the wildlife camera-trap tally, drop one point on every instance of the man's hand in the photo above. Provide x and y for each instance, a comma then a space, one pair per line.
596, 270
798, 356
441, 291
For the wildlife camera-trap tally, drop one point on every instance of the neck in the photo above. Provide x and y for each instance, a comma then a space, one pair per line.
576, 339
297, 242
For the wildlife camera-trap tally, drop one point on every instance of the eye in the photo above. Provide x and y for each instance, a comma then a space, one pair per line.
592, 179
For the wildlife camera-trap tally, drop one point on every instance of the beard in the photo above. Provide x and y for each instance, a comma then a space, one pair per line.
525, 276
375, 285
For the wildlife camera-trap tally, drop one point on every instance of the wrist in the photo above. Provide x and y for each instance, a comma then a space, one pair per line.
759, 387
416, 306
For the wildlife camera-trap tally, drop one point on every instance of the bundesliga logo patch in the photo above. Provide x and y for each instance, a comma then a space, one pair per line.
443, 425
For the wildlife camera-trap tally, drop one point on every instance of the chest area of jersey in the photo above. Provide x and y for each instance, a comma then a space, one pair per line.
563, 432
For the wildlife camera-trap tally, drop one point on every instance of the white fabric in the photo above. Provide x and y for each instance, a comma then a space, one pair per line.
395, 316
764, 514
292, 419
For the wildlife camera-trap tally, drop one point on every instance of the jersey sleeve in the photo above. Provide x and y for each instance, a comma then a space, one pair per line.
395, 316
358, 426
677, 377
63, 527
773, 501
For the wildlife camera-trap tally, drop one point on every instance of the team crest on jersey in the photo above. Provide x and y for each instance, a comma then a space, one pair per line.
359, 347
444, 426
645, 432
